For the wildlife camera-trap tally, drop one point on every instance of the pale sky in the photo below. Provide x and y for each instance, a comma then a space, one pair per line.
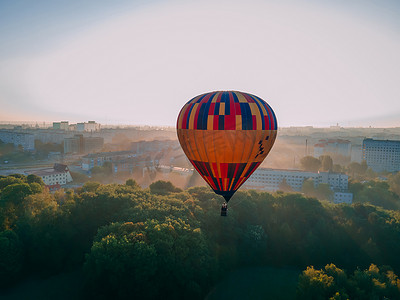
315, 62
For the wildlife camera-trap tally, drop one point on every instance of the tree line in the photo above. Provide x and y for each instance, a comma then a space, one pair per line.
332, 282
164, 242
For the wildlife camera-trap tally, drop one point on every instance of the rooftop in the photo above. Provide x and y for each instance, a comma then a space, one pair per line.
56, 169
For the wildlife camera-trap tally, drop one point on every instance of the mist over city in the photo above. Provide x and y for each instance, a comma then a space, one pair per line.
199, 150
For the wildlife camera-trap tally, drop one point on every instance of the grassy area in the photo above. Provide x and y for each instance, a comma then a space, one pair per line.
257, 283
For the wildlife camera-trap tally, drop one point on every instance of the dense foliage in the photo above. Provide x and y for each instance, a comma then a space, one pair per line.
334, 283
325, 163
15, 154
166, 243
11, 154
43, 149
377, 193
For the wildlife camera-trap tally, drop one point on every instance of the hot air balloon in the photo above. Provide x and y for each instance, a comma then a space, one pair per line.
226, 135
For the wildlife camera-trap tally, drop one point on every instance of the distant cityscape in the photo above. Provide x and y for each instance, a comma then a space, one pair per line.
88, 145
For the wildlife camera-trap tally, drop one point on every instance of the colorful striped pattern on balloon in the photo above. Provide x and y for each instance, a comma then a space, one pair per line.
227, 111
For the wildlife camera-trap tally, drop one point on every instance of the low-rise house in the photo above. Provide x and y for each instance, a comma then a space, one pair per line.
57, 175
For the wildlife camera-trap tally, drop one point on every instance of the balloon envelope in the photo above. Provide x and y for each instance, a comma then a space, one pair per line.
226, 135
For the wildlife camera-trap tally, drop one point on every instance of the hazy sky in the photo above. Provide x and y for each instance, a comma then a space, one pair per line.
138, 62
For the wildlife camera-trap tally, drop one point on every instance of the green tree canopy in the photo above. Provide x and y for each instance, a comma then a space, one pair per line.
9, 180
79, 177
31, 178
11, 257
356, 169
285, 187
315, 284
326, 163
175, 244
15, 193
149, 260
161, 187
132, 183
333, 283
90, 186
394, 183
310, 163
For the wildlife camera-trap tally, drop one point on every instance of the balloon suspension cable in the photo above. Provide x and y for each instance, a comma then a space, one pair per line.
236, 204
227, 198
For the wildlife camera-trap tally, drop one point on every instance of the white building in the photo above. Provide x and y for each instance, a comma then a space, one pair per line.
80, 144
382, 155
51, 136
342, 197
170, 169
336, 181
57, 175
98, 159
63, 125
26, 140
271, 179
90, 126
